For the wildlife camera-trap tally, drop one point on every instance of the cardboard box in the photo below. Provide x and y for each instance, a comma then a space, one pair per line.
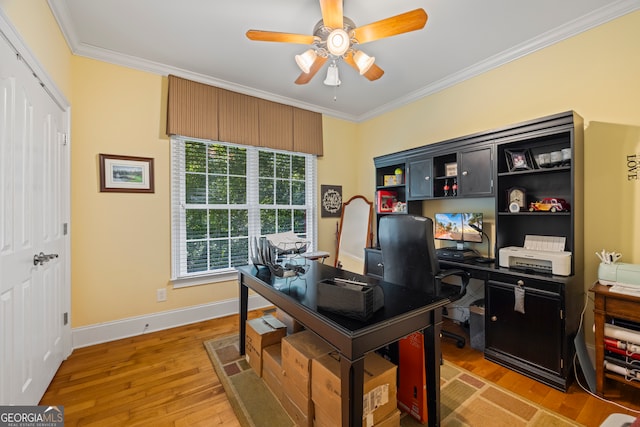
412, 389
261, 333
298, 417
298, 350
322, 419
272, 370
301, 399
293, 325
392, 420
379, 399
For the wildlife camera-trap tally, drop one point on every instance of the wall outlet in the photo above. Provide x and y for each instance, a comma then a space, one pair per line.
161, 294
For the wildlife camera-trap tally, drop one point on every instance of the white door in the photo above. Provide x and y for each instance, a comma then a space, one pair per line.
34, 329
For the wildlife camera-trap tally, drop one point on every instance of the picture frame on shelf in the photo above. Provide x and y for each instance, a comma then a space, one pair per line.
518, 160
451, 169
126, 174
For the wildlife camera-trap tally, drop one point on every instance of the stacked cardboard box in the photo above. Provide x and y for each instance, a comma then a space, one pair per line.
261, 333
379, 402
298, 352
272, 370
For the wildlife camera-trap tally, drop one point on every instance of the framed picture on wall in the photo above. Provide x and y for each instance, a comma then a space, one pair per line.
331, 201
126, 174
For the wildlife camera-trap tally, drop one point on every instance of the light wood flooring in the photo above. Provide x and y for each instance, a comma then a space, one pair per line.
166, 379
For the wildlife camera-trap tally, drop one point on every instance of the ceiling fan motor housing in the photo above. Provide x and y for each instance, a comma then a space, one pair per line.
334, 41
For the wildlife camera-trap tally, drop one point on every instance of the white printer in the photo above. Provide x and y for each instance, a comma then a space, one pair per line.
541, 253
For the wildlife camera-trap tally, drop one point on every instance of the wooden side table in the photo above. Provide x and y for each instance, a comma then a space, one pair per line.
611, 305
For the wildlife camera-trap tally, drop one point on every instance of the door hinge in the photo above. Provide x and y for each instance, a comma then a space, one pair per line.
561, 363
64, 229
65, 318
65, 138
561, 314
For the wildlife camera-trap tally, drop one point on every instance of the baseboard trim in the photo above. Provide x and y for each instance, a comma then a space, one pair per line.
124, 328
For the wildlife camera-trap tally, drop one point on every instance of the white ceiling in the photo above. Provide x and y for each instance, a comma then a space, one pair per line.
204, 40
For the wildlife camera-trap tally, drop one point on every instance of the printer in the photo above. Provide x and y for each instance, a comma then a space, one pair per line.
540, 253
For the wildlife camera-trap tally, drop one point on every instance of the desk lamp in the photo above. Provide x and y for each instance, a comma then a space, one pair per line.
488, 258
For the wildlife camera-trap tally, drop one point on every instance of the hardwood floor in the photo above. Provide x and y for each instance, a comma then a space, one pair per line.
166, 379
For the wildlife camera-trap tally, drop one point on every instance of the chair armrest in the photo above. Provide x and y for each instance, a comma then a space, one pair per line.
464, 275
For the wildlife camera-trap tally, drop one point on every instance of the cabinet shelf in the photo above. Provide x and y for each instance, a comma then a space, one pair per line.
389, 187
527, 213
536, 171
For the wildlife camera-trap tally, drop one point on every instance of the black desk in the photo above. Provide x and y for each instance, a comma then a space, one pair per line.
405, 311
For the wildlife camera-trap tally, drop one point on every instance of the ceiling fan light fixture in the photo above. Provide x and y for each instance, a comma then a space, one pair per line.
363, 61
338, 42
306, 59
333, 79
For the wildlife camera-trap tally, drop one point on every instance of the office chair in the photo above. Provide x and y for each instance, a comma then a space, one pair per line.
409, 259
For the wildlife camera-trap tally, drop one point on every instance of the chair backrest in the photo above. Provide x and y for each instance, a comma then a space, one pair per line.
408, 251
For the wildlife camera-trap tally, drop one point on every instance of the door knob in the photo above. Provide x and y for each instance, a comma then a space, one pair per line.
494, 318
41, 258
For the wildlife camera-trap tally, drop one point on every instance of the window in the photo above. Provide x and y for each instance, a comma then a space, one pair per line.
224, 195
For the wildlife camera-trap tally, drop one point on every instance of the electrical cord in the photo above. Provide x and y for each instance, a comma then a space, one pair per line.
575, 369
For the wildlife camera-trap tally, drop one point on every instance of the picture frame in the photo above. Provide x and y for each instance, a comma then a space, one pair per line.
451, 169
331, 201
126, 174
518, 160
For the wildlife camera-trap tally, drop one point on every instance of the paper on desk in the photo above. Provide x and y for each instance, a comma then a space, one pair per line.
544, 243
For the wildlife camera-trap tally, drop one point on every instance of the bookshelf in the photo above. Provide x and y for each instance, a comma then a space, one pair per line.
624, 311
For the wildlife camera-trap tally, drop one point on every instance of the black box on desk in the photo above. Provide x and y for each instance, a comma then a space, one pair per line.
354, 300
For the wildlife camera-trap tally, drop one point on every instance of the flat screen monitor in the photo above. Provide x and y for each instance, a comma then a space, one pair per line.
458, 227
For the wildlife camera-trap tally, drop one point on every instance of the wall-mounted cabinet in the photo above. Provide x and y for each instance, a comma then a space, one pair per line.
420, 178
476, 172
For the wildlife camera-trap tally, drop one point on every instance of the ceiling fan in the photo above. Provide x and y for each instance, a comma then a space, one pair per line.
336, 37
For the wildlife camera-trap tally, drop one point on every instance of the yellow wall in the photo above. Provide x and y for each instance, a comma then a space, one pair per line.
40, 31
121, 242
337, 167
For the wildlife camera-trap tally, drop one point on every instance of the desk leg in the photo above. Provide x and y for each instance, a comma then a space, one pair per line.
244, 304
432, 359
352, 374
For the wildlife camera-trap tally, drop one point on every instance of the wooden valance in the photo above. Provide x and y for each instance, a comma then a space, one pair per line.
201, 111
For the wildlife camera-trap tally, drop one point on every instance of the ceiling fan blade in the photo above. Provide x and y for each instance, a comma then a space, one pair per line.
332, 13
274, 36
305, 78
403, 23
373, 73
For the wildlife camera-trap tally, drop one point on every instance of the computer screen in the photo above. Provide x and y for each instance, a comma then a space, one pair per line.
458, 227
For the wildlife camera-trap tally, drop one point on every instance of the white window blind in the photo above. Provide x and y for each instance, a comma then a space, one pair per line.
224, 195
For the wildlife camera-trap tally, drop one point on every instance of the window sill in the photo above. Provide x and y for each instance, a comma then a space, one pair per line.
204, 279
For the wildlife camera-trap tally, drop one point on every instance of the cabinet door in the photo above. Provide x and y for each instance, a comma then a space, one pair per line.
534, 336
476, 172
420, 179
373, 263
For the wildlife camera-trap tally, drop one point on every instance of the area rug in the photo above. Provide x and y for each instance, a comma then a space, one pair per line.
466, 399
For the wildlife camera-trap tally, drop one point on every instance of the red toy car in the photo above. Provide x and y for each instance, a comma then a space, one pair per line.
550, 204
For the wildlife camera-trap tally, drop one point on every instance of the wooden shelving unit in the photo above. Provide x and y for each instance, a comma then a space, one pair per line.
609, 306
